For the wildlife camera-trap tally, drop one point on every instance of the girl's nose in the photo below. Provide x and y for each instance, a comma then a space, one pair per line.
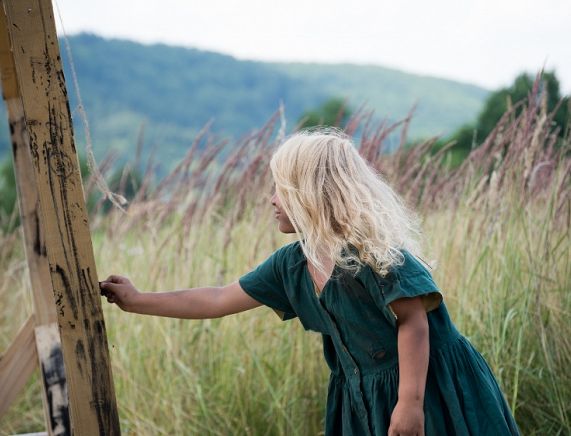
273, 199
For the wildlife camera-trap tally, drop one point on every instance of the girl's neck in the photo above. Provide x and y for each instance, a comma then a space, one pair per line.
320, 278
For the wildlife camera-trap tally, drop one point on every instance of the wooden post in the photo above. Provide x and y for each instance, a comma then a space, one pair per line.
54, 392
63, 216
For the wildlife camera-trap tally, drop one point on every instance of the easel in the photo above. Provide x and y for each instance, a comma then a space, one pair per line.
66, 334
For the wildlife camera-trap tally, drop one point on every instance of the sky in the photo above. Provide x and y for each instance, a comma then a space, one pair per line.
484, 42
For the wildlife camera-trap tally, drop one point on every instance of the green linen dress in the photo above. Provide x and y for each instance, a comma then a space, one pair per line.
359, 334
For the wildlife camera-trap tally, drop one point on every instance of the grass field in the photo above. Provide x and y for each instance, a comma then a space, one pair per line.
496, 229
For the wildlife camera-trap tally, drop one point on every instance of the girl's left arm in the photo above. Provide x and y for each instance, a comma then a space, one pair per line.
413, 348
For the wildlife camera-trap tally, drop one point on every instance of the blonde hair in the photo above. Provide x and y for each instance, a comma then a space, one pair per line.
339, 206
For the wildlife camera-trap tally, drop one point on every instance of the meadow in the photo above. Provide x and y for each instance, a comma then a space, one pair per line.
496, 231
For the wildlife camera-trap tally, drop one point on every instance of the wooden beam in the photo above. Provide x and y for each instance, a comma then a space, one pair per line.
30, 216
28, 199
38, 266
17, 364
32, 227
73, 275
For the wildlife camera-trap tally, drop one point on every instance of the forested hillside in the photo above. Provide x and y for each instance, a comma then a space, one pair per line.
174, 91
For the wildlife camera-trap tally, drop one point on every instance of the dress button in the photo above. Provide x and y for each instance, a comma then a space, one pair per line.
356, 370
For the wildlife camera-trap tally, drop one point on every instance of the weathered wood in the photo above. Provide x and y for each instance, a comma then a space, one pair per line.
28, 202
17, 364
30, 216
53, 378
63, 213
7, 70
44, 304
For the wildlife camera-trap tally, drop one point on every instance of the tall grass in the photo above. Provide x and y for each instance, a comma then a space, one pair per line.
497, 228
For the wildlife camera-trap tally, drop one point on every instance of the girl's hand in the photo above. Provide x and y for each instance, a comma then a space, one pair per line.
119, 290
407, 420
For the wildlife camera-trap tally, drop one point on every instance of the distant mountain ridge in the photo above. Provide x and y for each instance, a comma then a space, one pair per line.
175, 91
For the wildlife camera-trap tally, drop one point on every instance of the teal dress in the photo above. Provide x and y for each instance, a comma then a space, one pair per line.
359, 334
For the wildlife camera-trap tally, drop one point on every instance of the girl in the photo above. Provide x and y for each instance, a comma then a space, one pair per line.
398, 364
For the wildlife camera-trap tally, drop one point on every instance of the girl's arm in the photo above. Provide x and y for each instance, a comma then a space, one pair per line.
196, 303
413, 347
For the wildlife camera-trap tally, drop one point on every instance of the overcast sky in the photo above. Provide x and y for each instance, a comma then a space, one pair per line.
486, 42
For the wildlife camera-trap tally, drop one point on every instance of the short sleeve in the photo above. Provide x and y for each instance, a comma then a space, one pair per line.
266, 284
412, 279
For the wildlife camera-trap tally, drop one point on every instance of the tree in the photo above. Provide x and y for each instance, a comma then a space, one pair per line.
498, 102
333, 112
8, 195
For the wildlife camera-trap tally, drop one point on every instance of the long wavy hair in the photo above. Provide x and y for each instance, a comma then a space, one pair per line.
339, 206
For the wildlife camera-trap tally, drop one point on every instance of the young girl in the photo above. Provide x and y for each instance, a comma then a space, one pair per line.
398, 364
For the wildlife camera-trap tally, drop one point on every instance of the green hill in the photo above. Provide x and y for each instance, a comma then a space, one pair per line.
175, 91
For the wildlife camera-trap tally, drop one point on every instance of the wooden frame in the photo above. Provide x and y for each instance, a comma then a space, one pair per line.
68, 337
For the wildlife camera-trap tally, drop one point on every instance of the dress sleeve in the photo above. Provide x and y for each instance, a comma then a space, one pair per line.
411, 279
266, 284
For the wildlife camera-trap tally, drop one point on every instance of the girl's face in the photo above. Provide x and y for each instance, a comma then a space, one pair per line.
284, 224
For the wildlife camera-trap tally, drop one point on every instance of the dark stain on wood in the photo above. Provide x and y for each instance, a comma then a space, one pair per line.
80, 355
55, 386
63, 166
104, 405
70, 121
39, 244
36, 63
15, 145
34, 147
68, 291
58, 296
18, 134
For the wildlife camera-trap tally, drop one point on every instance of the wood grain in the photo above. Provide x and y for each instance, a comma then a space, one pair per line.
63, 214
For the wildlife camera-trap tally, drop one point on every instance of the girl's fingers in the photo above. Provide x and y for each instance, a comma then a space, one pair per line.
105, 289
117, 279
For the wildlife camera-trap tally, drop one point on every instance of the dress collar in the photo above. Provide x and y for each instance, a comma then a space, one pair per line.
300, 258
